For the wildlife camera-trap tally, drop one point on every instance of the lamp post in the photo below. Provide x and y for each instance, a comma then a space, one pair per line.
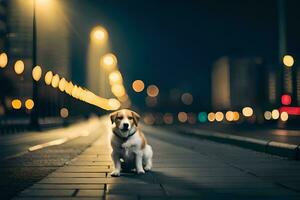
34, 114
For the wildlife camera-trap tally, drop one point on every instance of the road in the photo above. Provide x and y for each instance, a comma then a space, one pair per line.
184, 168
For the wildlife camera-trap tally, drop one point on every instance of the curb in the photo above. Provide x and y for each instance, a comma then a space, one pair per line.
290, 151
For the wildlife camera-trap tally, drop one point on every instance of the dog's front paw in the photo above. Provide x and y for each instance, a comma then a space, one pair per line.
141, 171
115, 173
147, 168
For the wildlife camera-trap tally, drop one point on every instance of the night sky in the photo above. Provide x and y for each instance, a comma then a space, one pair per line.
174, 44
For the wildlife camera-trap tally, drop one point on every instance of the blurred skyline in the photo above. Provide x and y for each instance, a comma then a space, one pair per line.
174, 44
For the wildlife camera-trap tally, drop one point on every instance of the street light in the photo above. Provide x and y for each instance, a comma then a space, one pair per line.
99, 35
288, 60
36, 73
42, 2
109, 61
3, 60
19, 67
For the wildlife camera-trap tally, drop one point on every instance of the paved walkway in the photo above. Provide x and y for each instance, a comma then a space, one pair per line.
184, 168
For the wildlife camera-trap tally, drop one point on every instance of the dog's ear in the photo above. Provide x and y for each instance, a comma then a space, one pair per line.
113, 116
136, 117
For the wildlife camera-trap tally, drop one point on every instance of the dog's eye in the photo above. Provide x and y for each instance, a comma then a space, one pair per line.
119, 118
130, 118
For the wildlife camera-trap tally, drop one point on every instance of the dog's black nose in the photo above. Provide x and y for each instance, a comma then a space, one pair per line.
125, 126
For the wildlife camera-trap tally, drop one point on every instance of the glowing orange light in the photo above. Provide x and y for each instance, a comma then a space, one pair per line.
115, 77
19, 67
114, 104
288, 60
211, 117
138, 85
152, 90
3, 60
69, 87
55, 81
37, 73
109, 61
99, 35
236, 116
48, 77
29, 104
16, 104
62, 84
182, 117
229, 116
219, 116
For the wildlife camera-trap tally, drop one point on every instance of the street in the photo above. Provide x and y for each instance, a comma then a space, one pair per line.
214, 85
184, 168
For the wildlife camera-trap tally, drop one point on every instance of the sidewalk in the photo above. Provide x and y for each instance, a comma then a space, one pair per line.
184, 168
88, 177
267, 141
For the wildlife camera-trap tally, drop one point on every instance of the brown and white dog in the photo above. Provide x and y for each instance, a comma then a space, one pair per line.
129, 143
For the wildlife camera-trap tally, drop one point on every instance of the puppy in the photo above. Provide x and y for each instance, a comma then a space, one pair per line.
129, 143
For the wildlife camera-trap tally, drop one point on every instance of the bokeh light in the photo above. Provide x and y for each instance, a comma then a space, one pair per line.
99, 35
69, 87
37, 73
211, 116
62, 84
3, 60
75, 92
219, 116
202, 117
284, 116
182, 117
288, 60
152, 90
286, 99
55, 81
108, 61
29, 104
114, 104
229, 116
138, 85
268, 115
247, 111
275, 114
187, 98
236, 116
19, 67
64, 112
48, 77
115, 77
16, 104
